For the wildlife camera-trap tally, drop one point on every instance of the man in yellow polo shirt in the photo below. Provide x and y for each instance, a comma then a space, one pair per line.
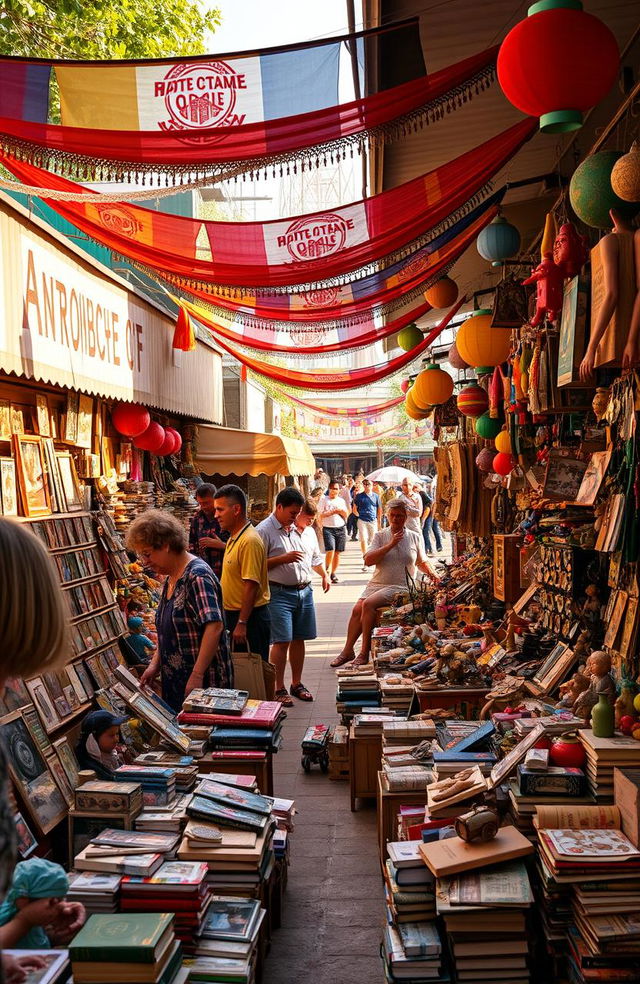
245, 586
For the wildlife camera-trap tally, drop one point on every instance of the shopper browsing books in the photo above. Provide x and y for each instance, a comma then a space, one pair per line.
192, 645
206, 539
396, 552
34, 914
245, 587
333, 514
292, 554
99, 739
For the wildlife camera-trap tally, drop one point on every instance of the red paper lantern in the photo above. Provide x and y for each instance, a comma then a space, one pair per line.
130, 419
177, 438
152, 439
503, 464
168, 445
557, 64
472, 401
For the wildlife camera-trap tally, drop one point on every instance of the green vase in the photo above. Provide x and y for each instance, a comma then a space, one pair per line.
602, 718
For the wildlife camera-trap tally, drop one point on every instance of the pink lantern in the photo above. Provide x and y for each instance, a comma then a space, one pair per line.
152, 439
454, 358
484, 460
177, 437
168, 445
130, 419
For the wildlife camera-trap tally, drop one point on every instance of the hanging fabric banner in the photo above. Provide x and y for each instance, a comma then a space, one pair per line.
211, 143
355, 412
309, 248
24, 90
339, 379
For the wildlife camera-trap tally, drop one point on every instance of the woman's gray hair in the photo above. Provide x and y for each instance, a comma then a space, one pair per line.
397, 505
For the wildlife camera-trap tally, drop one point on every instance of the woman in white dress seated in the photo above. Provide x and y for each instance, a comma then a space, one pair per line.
394, 551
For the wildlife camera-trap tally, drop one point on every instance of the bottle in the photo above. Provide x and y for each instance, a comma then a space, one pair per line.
602, 718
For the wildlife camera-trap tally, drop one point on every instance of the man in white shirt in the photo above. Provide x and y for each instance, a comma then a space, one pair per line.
333, 514
414, 506
292, 553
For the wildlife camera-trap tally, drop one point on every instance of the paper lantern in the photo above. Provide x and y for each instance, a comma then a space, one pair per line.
487, 427
591, 194
168, 445
152, 439
558, 63
472, 401
481, 345
625, 175
503, 442
412, 411
418, 404
484, 460
498, 241
130, 419
432, 386
503, 464
405, 385
443, 294
177, 437
409, 337
454, 358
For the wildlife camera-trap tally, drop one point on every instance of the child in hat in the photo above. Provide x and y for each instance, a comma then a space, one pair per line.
140, 643
99, 738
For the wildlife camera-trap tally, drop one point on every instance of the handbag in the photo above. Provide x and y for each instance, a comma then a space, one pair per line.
251, 673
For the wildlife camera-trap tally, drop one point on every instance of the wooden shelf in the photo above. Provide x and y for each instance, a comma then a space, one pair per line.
71, 717
93, 613
81, 580
72, 549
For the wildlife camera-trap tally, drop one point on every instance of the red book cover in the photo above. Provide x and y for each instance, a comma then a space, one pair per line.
415, 831
257, 714
238, 753
168, 904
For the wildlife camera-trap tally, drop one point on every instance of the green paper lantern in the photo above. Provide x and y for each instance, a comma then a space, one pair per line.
409, 337
488, 427
591, 194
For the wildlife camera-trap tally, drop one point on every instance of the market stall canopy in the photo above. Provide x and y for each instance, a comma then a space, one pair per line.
223, 451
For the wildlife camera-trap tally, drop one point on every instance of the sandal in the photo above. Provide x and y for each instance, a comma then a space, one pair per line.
301, 692
360, 661
283, 697
341, 660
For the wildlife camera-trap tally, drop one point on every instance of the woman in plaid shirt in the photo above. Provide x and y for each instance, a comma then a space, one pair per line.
192, 644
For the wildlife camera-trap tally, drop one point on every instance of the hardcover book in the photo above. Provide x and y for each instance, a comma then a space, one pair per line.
134, 937
505, 885
449, 856
554, 781
420, 939
231, 796
206, 809
231, 919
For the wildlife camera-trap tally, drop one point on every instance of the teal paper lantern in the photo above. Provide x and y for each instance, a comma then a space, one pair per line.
409, 337
591, 194
498, 241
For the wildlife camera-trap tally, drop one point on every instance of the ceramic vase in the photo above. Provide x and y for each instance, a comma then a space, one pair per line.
602, 718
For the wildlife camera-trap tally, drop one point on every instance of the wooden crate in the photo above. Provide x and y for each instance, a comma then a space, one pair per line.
339, 757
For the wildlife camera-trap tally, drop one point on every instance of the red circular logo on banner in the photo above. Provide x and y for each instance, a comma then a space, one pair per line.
415, 266
201, 95
322, 297
118, 219
316, 235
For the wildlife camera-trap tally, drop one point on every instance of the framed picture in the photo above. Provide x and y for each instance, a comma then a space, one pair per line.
573, 326
85, 679
15, 694
85, 422
8, 488
61, 778
27, 843
593, 477
43, 705
563, 478
32, 479
5, 420
71, 419
629, 627
56, 491
69, 481
613, 627
31, 774
108, 456
508, 764
17, 420
68, 760
554, 667
37, 732
42, 416
74, 679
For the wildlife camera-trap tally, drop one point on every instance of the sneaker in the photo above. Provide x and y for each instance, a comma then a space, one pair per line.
334, 578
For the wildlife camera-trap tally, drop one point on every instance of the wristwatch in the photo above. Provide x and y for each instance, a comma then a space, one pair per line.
241, 621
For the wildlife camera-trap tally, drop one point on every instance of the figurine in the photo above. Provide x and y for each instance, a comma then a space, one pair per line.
581, 646
515, 623
570, 251
571, 690
599, 665
624, 704
549, 279
453, 785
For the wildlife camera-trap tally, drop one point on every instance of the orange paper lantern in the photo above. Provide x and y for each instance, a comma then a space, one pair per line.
443, 294
481, 345
432, 386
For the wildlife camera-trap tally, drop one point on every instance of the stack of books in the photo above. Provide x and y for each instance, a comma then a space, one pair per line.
554, 725
214, 700
126, 852
410, 886
226, 946
106, 804
485, 917
603, 755
258, 727
138, 948
230, 806
357, 693
158, 784
397, 694
97, 893
177, 886
165, 819
413, 952
370, 724
522, 808
399, 732
283, 812
447, 764
405, 777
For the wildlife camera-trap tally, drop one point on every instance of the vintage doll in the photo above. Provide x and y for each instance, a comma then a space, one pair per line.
599, 665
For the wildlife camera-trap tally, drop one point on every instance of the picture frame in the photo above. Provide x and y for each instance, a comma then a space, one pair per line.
593, 478
17, 420
71, 418
14, 694
69, 481
613, 627
32, 476
84, 429
43, 705
5, 420
27, 842
573, 328
68, 760
563, 478
31, 774
62, 779
84, 678
8, 487
37, 732
508, 764
629, 629
76, 683
56, 492
554, 668
43, 417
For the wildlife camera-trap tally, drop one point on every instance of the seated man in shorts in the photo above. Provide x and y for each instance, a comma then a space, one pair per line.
395, 552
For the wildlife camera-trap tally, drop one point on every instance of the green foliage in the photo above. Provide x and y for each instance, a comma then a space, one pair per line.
102, 29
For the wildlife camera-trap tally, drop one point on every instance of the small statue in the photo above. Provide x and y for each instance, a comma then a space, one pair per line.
581, 646
570, 251
515, 623
549, 279
571, 690
624, 705
599, 665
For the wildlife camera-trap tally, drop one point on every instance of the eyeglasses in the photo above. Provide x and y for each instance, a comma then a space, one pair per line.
145, 554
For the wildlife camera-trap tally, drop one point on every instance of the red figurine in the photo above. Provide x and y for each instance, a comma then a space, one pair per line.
549, 279
570, 250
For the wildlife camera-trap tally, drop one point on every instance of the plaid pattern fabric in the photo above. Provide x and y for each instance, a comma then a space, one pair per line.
197, 600
202, 526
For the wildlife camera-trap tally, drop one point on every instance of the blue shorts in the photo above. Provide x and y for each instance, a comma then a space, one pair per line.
293, 615
335, 538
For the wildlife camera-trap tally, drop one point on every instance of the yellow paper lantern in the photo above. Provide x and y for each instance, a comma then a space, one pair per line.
503, 442
414, 410
481, 345
432, 386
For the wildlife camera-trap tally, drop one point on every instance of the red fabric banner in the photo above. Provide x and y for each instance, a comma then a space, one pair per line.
353, 412
224, 150
313, 247
339, 379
